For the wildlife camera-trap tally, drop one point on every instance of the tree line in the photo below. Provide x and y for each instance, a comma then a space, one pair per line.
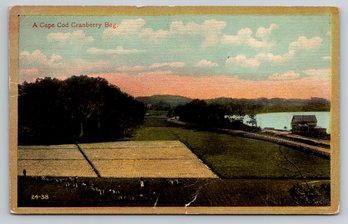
265, 105
230, 113
214, 115
78, 109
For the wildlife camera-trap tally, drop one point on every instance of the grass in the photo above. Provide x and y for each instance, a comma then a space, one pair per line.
237, 157
71, 192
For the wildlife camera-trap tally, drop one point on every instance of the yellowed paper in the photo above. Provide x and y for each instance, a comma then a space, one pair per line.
174, 110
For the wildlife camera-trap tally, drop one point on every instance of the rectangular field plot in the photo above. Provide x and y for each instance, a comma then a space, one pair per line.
153, 168
133, 144
55, 168
115, 159
145, 159
53, 160
66, 146
54, 153
141, 153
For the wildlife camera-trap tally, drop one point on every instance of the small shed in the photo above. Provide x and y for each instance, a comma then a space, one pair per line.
303, 124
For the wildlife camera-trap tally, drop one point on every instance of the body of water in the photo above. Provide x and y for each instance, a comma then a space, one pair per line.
282, 120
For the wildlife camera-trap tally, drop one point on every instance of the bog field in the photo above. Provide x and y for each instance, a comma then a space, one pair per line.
125, 159
165, 165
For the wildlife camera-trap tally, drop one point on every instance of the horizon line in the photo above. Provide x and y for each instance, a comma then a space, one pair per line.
226, 97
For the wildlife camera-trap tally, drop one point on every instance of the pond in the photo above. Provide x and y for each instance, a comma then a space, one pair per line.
282, 120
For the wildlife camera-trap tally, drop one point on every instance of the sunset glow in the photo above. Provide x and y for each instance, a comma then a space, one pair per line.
206, 87
202, 56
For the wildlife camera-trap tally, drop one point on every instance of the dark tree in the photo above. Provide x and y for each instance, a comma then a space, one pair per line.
213, 115
80, 108
199, 112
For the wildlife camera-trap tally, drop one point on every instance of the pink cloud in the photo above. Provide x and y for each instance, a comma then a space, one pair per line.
139, 68
156, 73
62, 77
217, 86
284, 76
29, 74
30, 71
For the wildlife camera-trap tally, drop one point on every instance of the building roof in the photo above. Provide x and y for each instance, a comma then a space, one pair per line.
304, 118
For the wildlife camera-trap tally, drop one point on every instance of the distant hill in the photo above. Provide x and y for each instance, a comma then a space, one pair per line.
271, 102
163, 101
265, 105
277, 104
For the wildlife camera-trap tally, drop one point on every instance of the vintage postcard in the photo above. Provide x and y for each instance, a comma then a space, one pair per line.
174, 110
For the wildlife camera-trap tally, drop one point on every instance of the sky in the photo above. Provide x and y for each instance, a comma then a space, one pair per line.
197, 56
